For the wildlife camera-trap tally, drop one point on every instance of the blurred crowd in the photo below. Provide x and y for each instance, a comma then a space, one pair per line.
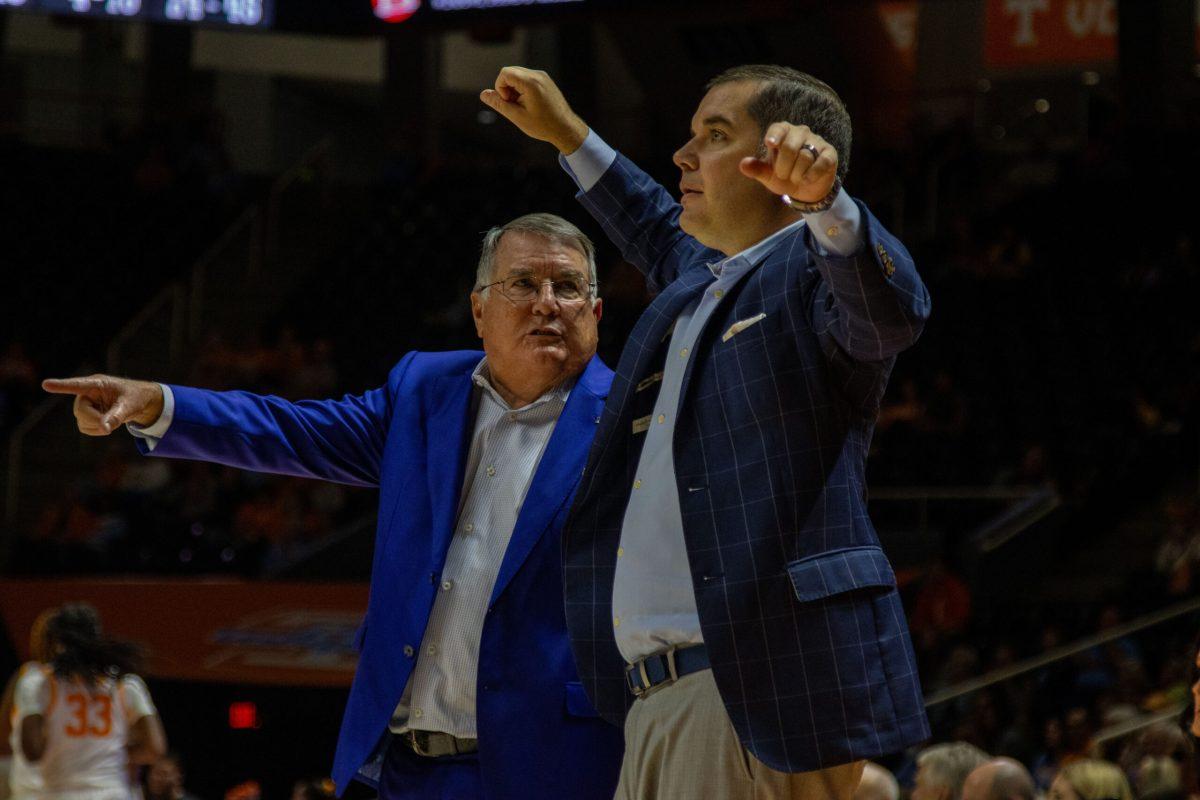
136, 514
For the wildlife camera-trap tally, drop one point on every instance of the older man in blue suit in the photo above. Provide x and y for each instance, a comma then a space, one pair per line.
465, 686
726, 593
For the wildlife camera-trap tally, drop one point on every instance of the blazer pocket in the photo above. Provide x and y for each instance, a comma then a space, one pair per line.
741, 325
578, 704
839, 571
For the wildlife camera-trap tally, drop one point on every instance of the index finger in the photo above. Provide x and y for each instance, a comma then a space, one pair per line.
775, 134
514, 77
69, 385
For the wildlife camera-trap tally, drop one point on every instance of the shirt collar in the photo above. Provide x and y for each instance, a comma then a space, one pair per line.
755, 253
481, 376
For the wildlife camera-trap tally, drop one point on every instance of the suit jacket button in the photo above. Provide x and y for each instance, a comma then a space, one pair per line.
408, 651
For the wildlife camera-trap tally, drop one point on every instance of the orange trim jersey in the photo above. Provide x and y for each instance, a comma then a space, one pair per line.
24, 778
87, 728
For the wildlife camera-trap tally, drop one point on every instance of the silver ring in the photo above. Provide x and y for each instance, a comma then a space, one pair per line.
812, 149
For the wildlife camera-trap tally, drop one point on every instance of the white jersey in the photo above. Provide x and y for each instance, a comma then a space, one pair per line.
87, 728
24, 779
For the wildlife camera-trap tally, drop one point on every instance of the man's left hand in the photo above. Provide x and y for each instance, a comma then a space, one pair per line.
790, 167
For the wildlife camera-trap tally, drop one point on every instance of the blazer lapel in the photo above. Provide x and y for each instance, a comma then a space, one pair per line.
648, 335
559, 470
449, 437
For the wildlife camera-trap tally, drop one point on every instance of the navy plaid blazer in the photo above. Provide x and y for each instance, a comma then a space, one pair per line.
797, 602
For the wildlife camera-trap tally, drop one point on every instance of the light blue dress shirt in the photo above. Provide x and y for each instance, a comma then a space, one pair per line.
654, 606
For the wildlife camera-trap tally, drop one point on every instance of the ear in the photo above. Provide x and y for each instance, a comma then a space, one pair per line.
477, 302
598, 308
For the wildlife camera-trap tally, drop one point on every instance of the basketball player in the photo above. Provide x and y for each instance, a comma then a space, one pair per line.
84, 717
24, 779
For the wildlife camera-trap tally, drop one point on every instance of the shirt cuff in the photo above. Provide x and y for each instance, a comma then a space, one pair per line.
838, 229
152, 433
589, 163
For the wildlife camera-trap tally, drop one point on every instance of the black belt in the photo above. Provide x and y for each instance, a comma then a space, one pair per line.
667, 667
432, 744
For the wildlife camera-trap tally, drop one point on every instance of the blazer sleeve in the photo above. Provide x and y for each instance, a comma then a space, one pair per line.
334, 440
642, 219
872, 304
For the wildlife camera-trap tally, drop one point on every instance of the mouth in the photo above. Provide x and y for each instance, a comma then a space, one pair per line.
546, 332
686, 191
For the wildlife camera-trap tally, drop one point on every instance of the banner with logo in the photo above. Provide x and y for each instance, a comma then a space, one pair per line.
1026, 33
293, 634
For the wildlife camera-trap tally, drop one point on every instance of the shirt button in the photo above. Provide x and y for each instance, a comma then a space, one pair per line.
408, 651
491, 471
620, 552
418, 713
719, 293
662, 418
512, 417
447, 585
432, 650
831, 231
616, 622
468, 527
637, 484
683, 353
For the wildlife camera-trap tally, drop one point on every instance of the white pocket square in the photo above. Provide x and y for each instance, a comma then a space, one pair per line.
741, 325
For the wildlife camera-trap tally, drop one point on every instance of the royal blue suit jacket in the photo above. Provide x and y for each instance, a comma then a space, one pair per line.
539, 737
797, 602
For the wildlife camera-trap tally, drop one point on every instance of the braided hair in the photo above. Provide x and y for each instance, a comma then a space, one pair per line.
82, 650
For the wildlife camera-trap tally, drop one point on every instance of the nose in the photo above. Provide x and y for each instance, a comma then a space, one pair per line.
685, 157
545, 303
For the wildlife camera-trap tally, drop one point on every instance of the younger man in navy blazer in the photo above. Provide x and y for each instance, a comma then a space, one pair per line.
726, 593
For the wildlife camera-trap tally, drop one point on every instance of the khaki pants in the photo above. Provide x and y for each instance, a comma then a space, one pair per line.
680, 745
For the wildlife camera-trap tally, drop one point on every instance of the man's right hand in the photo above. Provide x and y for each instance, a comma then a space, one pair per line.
103, 403
529, 99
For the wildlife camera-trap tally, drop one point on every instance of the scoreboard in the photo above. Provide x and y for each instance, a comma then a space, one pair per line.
226, 13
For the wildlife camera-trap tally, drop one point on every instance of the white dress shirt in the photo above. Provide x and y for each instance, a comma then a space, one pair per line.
506, 446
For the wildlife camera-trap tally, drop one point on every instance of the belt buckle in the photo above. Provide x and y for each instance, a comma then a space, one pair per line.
640, 665
419, 740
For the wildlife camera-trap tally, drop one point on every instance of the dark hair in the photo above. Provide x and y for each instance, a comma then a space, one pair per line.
82, 650
789, 95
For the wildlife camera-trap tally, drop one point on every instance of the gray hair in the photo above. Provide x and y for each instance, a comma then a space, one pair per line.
549, 226
949, 765
877, 783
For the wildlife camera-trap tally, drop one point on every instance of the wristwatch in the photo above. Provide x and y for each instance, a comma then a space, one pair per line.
824, 204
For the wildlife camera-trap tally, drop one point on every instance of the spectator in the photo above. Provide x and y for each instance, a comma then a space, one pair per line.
249, 790
876, 783
1157, 778
1048, 762
165, 779
314, 789
943, 768
999, 779
1090, 779
18, 381
942, 606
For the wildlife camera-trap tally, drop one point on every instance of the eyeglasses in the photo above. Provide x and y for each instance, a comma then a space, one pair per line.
521, 289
